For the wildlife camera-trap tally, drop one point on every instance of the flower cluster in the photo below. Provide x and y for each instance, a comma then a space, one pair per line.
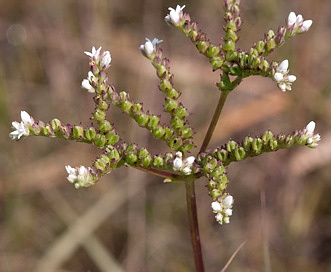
22, 128
99, 63
313, 139
80, 176
175, 16
232, 63
283, 79
223, 209
296, 24
184, 166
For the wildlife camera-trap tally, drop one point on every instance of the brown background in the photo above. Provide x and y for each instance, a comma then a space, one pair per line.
131, 221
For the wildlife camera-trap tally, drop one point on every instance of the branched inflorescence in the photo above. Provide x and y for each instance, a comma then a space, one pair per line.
232, 63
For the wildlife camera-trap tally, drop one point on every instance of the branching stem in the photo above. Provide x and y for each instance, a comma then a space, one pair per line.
190, 191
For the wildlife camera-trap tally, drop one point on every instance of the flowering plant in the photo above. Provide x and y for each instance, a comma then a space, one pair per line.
233, 65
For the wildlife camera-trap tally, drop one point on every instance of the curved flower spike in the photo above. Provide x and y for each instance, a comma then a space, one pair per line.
22, 128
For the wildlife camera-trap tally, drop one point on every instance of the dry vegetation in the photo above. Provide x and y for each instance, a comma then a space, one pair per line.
131, 221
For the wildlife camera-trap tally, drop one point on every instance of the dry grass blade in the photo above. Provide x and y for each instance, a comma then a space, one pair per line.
232, 257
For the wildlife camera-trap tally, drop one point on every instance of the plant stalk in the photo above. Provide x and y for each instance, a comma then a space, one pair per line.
190, 192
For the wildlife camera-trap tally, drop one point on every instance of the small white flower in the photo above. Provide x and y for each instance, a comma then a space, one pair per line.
219, 218
228, 212
95, 54
312, 139
178, 162
295, 23
22, 128
216, 206
228, 201
105, 60
283, 67
149, 47
175, 15
81, 177
310, 128
283, 79
86, 83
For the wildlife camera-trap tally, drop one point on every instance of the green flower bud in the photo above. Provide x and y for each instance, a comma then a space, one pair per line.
187, 132
100, 165
141, 119
267, 136
260, 47
90, 133
158, 161
100, 141
161, 70
126, 106
222, 155
105, 126
131, 158
113, 154
229, 46
175, 143
231, 35
235, 70
257, 145
78, 132
99, 115
273, 144
103, 105
212, 51
170, 105
247, 143
136, 108
181, 112
165, 85
187, 146
212, 184
176, 123
112, 138
158, 132
216, 62
239, 153
202, 46
55, 123
153, 121
215, 193
231, 56
231, 145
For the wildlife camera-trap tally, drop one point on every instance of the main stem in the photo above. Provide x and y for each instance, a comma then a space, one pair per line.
190, 191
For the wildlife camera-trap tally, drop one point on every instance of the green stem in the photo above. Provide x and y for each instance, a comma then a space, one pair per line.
190, 191
214, 121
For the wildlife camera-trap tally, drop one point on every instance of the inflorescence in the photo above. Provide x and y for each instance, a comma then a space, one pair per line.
232, 63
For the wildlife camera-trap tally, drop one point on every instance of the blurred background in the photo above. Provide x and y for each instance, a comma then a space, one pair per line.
131, 221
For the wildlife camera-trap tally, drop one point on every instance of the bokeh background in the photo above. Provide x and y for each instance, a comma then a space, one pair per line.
131, 221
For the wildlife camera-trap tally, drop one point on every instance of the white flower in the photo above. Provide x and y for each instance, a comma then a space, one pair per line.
310, 128
81, 176
86, 83
178, 162
22, 128
105, 60
295, 23
312, 139
228, 201
283, 79
149, 47
219, 218
95, 54
185, 166
175, 15
216, 206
